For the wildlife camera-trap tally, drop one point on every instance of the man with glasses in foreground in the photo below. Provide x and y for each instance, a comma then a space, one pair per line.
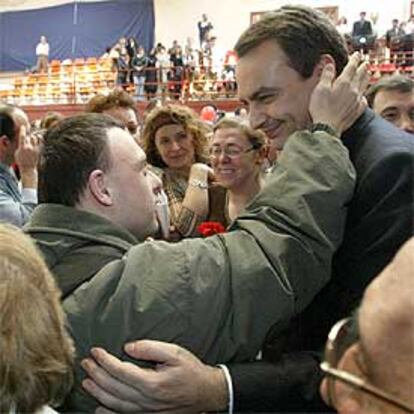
369, 359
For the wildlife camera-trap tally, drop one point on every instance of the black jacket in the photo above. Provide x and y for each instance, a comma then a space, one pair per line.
362, 28
380, 219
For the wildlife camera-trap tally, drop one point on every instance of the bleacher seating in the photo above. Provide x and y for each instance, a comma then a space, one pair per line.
65, 82
72, 82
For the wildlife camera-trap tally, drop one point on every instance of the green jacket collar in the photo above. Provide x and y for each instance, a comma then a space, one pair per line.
55, 218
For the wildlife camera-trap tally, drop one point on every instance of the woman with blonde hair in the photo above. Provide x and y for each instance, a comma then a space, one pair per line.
36, 352
238, 156
175, 141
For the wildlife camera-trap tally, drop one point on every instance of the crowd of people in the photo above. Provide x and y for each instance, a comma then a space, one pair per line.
363, 35
309, 210
180, 72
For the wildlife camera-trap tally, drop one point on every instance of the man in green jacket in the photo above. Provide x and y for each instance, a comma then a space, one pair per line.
218, 296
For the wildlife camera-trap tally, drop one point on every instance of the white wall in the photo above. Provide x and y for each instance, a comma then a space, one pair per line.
14, 5
177, 19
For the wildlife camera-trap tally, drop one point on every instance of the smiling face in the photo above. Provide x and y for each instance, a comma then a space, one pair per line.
175, 146
277, 95
242, 166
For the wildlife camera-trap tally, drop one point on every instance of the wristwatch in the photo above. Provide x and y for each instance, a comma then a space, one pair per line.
319, 126
198, 184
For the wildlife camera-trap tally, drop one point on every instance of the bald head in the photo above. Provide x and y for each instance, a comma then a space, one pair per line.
387, 325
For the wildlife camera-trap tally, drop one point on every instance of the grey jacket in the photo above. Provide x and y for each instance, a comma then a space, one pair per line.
218, 296
15, 207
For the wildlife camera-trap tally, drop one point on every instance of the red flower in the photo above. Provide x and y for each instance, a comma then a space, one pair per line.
209, 228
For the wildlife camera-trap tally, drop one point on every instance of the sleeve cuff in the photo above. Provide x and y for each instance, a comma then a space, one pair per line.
29, 195
229, 388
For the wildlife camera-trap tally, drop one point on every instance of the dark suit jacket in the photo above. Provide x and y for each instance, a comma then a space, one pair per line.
380, 219
362, 28
393, 34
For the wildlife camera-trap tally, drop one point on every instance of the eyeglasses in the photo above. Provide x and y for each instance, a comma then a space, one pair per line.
230, 152
342, 335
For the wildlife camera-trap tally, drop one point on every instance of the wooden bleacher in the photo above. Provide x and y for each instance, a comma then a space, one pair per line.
66, 82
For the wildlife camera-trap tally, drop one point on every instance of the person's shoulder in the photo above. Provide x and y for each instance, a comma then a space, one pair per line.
373, 143
372, 131
389, 137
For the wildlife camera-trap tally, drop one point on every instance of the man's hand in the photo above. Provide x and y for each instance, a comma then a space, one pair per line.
339, 102
179, 382
27, 157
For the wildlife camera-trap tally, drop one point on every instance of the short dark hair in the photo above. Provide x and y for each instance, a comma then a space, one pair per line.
7, 126
71, 151
397, 83
304, 34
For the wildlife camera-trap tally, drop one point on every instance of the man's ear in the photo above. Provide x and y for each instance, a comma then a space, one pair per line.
98, 188
323, 61
4, 141
6, 148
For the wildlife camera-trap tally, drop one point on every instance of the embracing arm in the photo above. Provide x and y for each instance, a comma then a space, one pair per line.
299, 231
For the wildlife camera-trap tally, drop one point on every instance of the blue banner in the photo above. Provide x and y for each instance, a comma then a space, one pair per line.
73, 30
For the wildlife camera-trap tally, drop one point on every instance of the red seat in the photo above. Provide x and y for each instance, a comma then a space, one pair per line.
387, 67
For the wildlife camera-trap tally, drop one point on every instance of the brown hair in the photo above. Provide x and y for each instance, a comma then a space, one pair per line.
179, 115
304, 34
116, 99
256, 137
36, 352
50, 120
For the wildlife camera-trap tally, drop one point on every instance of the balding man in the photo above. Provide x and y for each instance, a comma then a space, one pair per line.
369, 360
17, 200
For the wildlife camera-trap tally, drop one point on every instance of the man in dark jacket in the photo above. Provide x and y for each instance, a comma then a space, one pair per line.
362, 34
217, 296
362, 27
393, 40
279, 57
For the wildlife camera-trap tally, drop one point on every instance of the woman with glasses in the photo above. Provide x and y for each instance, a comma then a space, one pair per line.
237, 156
175, 141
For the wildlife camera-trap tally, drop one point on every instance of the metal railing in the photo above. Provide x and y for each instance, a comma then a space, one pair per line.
76, 83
